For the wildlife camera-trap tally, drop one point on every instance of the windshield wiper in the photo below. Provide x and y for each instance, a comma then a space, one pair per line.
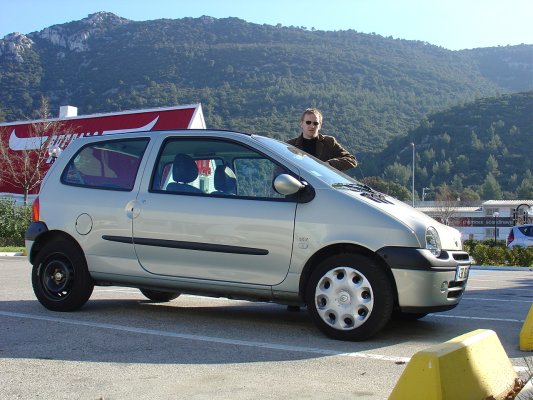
366, 190
360, 187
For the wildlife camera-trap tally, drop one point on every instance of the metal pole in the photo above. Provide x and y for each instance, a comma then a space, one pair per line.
413, 180
495, 215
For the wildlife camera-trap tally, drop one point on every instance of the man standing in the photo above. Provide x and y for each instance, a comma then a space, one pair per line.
323, 147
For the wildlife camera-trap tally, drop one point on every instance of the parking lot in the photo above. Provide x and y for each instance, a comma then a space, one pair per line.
122, 346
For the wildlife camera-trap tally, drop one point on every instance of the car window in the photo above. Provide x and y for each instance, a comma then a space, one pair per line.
307, 162
106, 165
526, 230
214, 167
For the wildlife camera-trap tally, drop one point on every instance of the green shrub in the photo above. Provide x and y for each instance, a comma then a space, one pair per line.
488, 253
14, 221
520, 256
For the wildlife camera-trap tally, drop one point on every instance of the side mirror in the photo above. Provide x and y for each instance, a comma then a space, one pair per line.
286, 184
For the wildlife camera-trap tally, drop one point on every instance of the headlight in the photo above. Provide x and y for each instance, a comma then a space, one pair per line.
433, 241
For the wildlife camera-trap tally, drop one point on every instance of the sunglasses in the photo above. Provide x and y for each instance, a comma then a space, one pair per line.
311, 122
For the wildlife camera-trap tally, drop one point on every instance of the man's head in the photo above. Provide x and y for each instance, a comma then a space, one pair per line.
311, 122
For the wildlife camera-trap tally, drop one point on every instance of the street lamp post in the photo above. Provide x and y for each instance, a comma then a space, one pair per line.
495, 215
413, 175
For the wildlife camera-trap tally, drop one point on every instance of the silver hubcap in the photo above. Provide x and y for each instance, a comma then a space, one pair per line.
344, 298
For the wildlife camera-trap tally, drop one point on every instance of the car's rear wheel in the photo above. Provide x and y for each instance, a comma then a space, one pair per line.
60, 278
349, 297
159, 297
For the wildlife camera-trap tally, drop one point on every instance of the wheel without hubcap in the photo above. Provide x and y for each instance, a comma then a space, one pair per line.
349, 297
60, 279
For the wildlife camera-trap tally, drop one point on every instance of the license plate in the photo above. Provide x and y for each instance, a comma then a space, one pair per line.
461, 274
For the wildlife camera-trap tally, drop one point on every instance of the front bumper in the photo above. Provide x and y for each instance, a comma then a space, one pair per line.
426, 283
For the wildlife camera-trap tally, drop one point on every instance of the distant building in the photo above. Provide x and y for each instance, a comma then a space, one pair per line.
480, 222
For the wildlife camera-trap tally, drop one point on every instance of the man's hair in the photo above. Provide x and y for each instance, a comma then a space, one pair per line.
315, 111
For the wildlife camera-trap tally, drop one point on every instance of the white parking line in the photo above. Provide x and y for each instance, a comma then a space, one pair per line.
499, 288
495, 300
210, 339
476, 318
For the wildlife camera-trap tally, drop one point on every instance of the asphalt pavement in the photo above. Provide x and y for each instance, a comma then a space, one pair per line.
122, 346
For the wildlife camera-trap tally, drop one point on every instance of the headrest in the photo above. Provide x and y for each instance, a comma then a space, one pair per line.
224, 179
184, 169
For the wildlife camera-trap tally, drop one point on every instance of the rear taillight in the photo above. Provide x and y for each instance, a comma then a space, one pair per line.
510, 238
35, 210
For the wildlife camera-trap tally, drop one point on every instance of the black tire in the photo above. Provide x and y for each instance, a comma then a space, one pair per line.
159, 297
60, 278
349, 297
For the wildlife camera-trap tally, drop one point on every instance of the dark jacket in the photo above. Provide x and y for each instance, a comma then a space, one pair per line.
329, 150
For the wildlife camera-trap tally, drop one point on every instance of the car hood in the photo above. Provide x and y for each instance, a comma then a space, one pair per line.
415, 220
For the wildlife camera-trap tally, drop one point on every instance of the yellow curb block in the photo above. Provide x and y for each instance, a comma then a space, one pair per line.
470, 366
526, 333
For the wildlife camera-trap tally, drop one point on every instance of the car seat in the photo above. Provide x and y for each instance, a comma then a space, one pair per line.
224, 180
184, 171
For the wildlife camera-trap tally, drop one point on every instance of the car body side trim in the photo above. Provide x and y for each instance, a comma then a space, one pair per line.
175, 244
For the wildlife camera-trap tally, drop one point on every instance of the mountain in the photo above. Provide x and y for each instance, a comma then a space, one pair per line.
374, 91
509, 67
251, 77
484, 146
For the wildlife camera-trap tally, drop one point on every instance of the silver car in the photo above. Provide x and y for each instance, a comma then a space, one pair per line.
241, 216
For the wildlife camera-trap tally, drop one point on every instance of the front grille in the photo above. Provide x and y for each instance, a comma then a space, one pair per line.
461, 256
456, 289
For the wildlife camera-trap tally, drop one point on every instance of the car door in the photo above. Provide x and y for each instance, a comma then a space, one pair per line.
191, 226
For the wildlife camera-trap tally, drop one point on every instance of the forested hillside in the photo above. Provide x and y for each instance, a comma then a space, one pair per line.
481, 148
259, 78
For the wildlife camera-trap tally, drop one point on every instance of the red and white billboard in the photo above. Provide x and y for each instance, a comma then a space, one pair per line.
17, 136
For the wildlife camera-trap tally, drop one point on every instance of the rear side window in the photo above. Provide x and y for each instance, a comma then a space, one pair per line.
106, 165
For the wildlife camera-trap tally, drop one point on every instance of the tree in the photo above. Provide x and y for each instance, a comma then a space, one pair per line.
390, 188
492, 165
448, 203
525, 190
470, 196
398, 173
25, 169
491, 188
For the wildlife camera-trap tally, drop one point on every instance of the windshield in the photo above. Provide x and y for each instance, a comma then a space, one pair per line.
306, 162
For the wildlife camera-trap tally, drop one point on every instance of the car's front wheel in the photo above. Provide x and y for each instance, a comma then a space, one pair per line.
60, 278
349, 296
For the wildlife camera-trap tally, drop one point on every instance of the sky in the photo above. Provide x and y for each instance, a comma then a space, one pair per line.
452, 24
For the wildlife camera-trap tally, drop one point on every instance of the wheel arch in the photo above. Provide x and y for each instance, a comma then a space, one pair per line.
337, 248
52, 236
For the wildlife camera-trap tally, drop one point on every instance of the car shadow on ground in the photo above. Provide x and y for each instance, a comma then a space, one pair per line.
137, 331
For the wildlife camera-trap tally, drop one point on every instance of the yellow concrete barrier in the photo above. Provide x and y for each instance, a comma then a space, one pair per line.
526, 333
470, 366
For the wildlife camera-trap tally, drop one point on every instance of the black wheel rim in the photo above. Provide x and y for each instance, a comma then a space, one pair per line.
57, 277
